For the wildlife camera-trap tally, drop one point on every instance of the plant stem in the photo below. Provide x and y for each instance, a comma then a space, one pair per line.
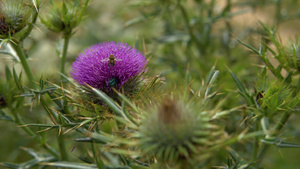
26, 129
190, 30
284, 118
33, 21
17, 47
64, 54
229, 29
62, 147
60, 137
255, 144
96, 156
278, 12
32, 134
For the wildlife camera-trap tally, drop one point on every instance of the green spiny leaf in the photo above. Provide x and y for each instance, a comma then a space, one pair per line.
71, 165
249, 47
242, 90
8, 74
4, 116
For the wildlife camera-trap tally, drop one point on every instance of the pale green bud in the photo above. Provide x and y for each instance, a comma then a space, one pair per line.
13, 17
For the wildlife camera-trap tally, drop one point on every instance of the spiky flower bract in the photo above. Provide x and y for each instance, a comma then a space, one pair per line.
63, 16
293, 54
177, 134
93, 68
13, 17
274, 97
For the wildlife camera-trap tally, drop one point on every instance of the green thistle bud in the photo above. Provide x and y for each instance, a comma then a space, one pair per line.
176, 134
63, 16
13, 17
275, 97
293, 54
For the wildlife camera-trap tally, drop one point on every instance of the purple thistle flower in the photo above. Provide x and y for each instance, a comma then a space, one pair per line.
93, 66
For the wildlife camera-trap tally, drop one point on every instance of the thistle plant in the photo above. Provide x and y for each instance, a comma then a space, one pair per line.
293, 54
64, 16
107, 65
177, 134
13, 17
163, 85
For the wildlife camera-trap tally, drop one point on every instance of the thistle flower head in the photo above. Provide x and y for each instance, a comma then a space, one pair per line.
175, 133
63, 16
108, 64
13, 17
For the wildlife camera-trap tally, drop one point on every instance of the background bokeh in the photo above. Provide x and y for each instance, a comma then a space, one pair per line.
160, 26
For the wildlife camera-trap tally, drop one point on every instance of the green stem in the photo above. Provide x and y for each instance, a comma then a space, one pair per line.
64, 54
83, 9
62, 147
33, 21
284, 118
60, 137
255, 144
26, 129
190, 30
18, 49
229, 29
96, 156
278, 12
35, 136
208, 26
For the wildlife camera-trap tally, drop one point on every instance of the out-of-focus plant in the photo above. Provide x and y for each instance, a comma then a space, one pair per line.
13, 18
180, 131
272, 98
64, 16
112, 115
108, 65
178, 135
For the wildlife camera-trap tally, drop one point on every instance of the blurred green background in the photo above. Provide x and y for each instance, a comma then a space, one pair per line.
162, 27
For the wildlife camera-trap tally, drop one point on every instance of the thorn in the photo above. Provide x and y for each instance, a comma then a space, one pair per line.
37, 28
59, 131
35, 5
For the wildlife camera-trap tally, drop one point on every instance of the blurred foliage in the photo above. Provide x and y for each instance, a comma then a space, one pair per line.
240, 71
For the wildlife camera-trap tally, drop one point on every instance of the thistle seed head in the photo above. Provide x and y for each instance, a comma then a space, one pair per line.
175, 133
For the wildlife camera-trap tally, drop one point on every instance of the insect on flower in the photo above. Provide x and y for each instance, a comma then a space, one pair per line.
99, 65
111, 60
